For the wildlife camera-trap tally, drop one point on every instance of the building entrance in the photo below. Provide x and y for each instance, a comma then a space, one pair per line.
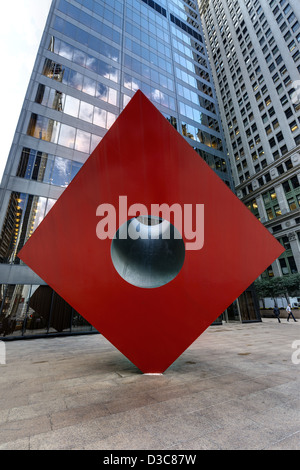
232, 313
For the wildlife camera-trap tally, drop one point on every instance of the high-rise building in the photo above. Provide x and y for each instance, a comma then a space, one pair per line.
93, 56
254, 50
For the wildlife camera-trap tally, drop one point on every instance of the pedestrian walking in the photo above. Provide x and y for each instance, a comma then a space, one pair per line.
276, 312
290, 313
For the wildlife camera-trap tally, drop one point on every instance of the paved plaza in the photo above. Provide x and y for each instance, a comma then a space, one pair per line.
236, 387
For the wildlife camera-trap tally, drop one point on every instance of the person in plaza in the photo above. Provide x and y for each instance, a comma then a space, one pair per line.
290, 313
276, 312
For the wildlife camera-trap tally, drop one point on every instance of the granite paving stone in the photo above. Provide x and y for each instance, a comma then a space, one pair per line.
236, 387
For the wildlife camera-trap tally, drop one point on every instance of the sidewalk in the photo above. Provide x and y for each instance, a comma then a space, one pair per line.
236, 387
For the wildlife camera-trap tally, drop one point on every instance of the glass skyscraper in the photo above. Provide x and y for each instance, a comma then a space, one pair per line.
93, 56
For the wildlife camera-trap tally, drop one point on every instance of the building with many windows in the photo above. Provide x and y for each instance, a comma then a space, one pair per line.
93, 56
254, 49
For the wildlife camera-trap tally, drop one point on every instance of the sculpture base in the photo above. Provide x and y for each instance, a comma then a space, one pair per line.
152, 373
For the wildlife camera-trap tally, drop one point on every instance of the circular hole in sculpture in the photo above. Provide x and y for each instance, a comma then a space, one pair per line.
147, 252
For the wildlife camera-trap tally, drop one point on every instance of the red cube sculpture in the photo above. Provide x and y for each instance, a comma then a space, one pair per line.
143, 163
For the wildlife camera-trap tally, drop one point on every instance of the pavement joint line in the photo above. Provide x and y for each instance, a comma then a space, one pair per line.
233, 377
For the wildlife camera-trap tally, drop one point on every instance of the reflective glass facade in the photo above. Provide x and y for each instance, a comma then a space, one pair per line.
94, 55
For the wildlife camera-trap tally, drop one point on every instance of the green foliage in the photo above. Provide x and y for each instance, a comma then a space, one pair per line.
292, 285
263, 288
278, 286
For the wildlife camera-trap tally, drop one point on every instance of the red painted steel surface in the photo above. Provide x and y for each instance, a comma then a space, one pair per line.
143, 157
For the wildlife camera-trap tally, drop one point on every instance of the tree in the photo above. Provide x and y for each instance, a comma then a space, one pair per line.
292, 285
278, 287
263, 289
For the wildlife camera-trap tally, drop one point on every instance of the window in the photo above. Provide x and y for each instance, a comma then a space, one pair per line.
257, 168
283, 70
283, 26
272, 142
270, 196
277, 228
268, 101
277, 210
288, 164
279, 18
290, 92
293, 126
71, 106
280, 89
292, 204
287, 81
280, 169
295, 182
264, 163
261, 79
271, 41
265, 49
292, 264
272, 67
252, 206
292, 46
284, 100
286, 186
296, 56
86, 111
297, 139
82, 142
284, 267
67, 136
43, 128
279, 136
291, 18
267, 177
285, 242
271, 111
288, 112
268, 130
